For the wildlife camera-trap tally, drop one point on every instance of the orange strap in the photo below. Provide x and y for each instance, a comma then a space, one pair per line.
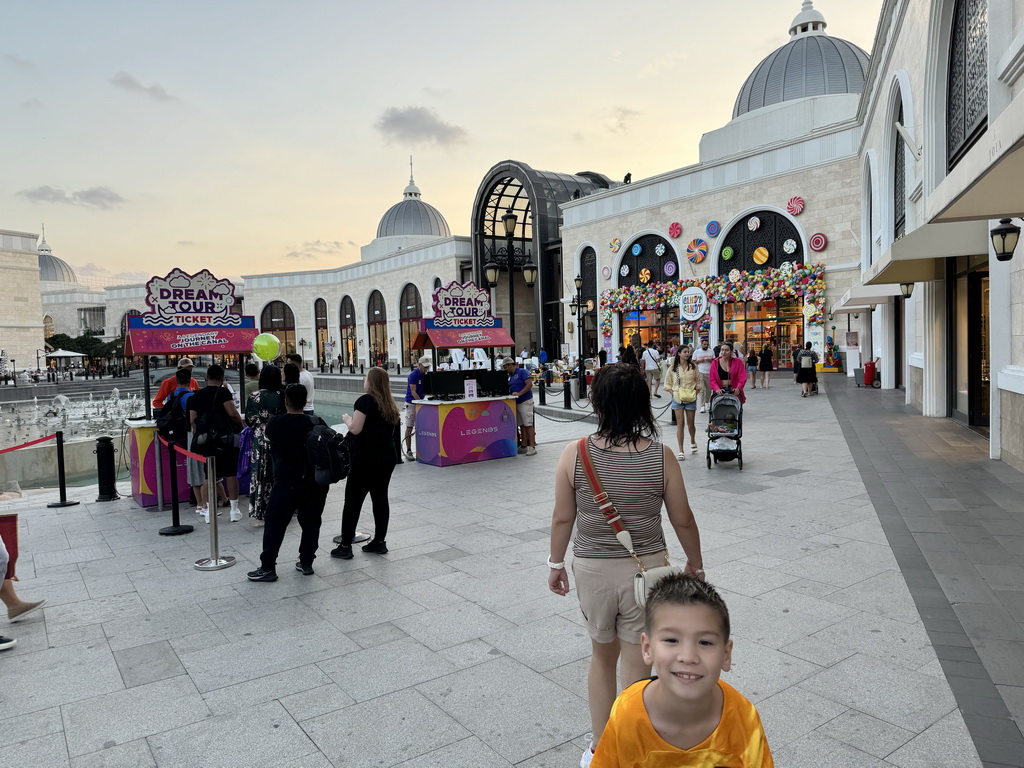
611, 514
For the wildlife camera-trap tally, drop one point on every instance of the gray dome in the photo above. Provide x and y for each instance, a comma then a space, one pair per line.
52, 269
811, 64
412, 216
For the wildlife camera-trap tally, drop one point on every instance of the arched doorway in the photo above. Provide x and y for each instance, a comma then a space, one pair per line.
763, 240
588, 294
347, 343
648, 259
277, 318
410, 313
320, 316
377, 329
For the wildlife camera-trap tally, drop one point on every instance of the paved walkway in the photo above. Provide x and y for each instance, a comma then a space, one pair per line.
450, 651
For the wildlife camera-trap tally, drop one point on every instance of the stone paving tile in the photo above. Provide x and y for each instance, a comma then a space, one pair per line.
148, 663
868, 734
134, 754
44, 752
30, 726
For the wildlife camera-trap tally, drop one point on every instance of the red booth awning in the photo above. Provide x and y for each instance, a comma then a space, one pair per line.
462, 338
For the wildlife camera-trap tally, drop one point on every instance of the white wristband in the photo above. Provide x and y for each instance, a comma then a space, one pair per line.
557, 566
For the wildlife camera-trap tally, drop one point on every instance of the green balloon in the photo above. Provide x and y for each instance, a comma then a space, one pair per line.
266, 347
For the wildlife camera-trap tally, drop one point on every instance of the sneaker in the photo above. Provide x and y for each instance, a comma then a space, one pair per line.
262, 575
7, 642
18, 614
410, 456
531, 450
342, 552
376, 547
236, 515
200, 510
307, 570
588, 751
703, 409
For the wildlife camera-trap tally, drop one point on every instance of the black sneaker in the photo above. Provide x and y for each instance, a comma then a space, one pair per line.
342, 552
376, 547
261, 575
307, 570
7, 642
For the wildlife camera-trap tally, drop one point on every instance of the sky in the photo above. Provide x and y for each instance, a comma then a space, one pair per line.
250, 136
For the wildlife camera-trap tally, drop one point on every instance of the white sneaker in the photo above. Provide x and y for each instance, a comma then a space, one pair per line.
588, 753
200, 510
410, 456
530, 450
703, 408
236, 515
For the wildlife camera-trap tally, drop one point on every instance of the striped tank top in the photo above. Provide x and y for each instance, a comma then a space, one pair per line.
635, 483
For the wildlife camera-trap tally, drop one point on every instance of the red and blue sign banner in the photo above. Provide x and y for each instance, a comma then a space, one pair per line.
190, 314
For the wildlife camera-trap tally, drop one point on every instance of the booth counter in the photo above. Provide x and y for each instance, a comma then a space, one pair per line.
462, 431
142, 451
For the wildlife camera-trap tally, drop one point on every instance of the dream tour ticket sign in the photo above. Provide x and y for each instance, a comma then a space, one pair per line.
190, 314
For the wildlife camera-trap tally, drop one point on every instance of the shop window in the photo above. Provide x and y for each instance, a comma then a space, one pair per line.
899, 180
320, 314
277, 318
967, 79
347, 341
377, 329
410, 312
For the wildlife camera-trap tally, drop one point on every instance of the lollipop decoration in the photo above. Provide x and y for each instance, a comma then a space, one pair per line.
786, 268
624, 270
636, 249
659, 249
614, 245
818, 242
645, 275
789, 246
795, 205
757, 294
734, 276
670, 268
727, 253
675, 229
696, 251
714, 228
753, 223
760, 255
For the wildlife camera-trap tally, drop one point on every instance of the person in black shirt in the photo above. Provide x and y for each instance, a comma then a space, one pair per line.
374, 456
212, 397
294, 491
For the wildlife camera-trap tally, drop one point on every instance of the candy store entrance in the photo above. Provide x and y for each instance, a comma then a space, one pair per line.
777, 322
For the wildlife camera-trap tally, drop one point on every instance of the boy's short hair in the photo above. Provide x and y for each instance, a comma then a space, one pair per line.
294, 357
295, 396
681, 589
252, 370
215, 372
183, 376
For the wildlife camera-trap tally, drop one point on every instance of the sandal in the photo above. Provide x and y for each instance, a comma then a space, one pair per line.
694, 448
681, 456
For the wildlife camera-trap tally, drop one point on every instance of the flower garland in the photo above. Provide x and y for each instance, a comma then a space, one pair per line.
791, 281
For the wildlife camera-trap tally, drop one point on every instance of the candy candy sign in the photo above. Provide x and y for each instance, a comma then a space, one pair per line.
693, 303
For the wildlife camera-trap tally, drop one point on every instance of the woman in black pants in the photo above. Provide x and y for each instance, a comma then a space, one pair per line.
374, 424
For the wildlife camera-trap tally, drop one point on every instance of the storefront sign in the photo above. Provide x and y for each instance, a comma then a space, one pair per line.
462, 306
188, 340
693, 303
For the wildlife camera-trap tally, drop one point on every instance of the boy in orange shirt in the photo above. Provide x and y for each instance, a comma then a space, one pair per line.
685, 716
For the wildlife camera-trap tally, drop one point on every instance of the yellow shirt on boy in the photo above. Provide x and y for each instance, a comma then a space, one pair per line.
630, 741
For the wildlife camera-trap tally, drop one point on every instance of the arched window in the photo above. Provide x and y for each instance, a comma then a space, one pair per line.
868, 227
899, 179
277, 318
377, 329
648, 259
967, 79
48, 327
347, 343
124, 321
588, 293
320, 313
410, 313
437, 283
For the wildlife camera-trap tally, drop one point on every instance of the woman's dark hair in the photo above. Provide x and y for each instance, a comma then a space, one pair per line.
629, 355
767, 350
291, 373
270, 378
689, 361
622, 403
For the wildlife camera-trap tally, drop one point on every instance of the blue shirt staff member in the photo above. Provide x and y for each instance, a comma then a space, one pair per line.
413, 391
520, 384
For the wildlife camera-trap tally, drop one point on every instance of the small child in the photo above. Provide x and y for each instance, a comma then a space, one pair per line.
685, 716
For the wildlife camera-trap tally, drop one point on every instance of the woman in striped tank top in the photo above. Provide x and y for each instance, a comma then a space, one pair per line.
640, 475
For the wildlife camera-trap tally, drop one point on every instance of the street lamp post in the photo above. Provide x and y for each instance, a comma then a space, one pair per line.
492, 270
577, 303
302, 346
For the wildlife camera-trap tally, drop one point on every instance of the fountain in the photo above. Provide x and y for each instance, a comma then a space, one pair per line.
81, 419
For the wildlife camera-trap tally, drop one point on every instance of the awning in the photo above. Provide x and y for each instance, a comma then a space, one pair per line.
985, 184
918, 257
861, 297
462, 338
63, 353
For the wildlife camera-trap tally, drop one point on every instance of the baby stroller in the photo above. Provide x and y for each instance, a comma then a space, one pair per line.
725, 429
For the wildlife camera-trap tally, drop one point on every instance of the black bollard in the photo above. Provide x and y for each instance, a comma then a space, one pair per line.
361, 371
60, 476
175, 528
583, 384
106, 473
543, 392
567, 394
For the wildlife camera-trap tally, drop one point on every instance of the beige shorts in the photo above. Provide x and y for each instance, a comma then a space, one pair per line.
604, 587
410, 418
524, 412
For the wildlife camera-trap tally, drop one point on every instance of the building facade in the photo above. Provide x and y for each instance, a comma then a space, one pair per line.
21, 312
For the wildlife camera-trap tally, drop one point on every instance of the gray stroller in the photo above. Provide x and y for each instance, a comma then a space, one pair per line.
725, 429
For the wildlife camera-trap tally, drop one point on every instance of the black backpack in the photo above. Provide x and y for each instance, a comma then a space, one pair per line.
328, 453
171, 422
214, 433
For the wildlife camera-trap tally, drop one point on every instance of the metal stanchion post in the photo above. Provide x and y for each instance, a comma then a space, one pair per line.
175, 528
214, 562
543, 391
158, 462
60, 476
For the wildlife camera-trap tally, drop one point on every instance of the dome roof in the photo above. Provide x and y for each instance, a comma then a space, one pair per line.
810, 64
52, 269
412, 216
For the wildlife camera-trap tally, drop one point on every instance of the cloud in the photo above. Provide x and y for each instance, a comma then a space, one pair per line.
94, 197
618, 121
437, 93
31, 104
314, 249
418, 126
186, 243
16, 61
670, 62
129, 83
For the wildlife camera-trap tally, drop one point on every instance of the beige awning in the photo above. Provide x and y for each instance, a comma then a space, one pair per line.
861, 297
918, 257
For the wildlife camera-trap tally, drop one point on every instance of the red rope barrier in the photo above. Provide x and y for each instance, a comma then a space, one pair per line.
182, 451
31, 442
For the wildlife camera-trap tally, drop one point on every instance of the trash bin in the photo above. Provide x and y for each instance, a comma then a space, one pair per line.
869, 373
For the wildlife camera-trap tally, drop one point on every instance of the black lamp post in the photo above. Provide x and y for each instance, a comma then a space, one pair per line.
1004, 239
577, 303
14, 368
493, 268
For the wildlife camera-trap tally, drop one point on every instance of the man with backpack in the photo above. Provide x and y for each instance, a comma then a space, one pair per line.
168, 385
295, 491
172, 420
215, 426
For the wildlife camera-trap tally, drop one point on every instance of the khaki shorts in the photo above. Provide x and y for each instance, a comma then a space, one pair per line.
604, 586
410, 418
524, 412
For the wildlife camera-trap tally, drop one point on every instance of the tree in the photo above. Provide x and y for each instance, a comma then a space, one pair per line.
91, 345
63, 341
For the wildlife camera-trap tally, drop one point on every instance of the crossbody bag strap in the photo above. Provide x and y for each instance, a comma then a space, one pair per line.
611, 514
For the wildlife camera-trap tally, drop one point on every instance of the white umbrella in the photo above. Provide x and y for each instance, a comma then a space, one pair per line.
63, 353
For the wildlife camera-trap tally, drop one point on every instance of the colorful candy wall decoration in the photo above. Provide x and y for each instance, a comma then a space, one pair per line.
760, 255
789, 246
670, 268
675, 229
606, 272
659, 249
624, 270
795, 206
714, 229
697, 251
727, 253
645, 275
636, 249
818, 242
790, 280
753, 223
614, 245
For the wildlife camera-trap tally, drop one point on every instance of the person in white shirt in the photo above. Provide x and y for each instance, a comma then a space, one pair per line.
305, 379
652, 369
703, 356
